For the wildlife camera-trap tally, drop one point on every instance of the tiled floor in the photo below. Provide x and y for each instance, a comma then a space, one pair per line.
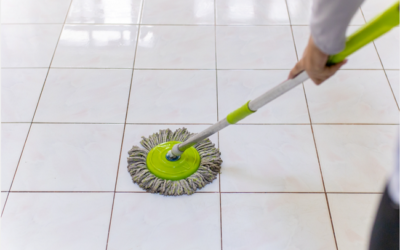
83, 80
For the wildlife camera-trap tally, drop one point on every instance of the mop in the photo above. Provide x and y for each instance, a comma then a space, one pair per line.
179, 162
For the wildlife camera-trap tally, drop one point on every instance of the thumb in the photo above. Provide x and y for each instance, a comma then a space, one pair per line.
296, 70
336, 67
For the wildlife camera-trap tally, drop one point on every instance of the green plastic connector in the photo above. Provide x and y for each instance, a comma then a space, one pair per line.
368, 32
239, 114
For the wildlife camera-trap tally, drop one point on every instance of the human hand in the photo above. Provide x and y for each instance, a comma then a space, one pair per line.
314, 63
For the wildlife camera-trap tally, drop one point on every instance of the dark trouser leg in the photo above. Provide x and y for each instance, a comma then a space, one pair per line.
385, 233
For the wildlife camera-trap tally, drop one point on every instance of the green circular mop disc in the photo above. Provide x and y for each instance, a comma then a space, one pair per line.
158, 164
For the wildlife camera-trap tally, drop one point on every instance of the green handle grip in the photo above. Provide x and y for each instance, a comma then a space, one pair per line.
239, 114
367, 33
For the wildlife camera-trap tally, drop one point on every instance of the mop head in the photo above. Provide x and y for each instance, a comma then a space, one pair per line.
209, 167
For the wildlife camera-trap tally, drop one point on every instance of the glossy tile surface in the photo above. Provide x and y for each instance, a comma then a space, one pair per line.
20, 91
96, 46
195, 221
393, 76
353, 216
173, 96
268, 47
28, 45
278, 158
70, 157
38, 11
105, 11
352, 96
75, 71
85, 95
133, 136
236, 87
176, 47
300, 13
356, 158
365, 58
388, 49
178, 12
256, 12
276, 221
13, 138
50, 221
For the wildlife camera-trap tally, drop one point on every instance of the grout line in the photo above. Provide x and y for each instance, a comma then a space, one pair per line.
159, 24
76, 123
126, 118
37, 105
354, 193
5, 202
380, 60
315, 143
216, 85
200, 192
363, 124
322, 177
37, 191
24, 67
323, 183
205, 124
272, 192
77, 68
265, 69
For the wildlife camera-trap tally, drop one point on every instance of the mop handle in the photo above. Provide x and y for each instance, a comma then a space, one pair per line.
366, 34
247, 109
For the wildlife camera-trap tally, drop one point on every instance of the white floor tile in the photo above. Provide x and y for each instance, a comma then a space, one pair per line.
372, 8
3, 199
365, 58
149, 221
96, 46
236, 87
256, 12
178, 12
254, 47
388, 49
173, 96
352, 96
62, 221
176, 47
28, 45
356, 158
85, 95
13, 138
300, 13
273, 158
276, 221
353, 216
133, 136
175, 83
37, 11
105, 11
20, 91
393, 76
70, 157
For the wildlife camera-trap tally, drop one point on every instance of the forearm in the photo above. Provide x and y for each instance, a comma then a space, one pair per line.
329, 22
